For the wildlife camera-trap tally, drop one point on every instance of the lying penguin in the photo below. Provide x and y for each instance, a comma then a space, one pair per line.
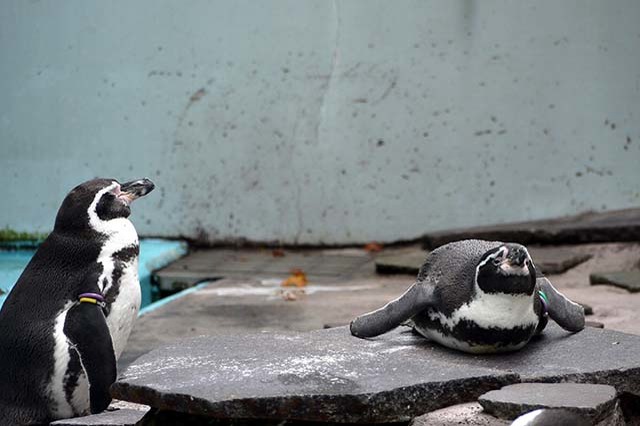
476, 296
67, 319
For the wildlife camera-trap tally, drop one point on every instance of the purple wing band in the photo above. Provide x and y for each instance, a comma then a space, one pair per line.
96, 296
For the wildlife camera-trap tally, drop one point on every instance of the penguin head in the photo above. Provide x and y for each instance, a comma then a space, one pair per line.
507, 268
99, 200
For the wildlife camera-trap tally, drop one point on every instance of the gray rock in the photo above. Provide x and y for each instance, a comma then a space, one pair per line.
588, 310
469, 414
593, 401
328, 375
172, 418
324, 375
595, 324
402, 263
629, 280
556, 260
122, 417
119, 413
618, 225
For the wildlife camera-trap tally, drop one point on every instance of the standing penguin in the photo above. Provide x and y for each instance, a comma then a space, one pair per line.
476, 296
67, 319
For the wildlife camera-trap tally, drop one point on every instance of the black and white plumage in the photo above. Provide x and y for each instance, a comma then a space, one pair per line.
476, 296
58, 355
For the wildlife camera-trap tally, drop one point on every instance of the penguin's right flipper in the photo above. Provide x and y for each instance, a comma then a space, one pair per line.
86, 327
569, 315
418, 298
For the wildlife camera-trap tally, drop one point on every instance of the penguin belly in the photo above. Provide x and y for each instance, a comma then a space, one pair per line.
68, 387
125, 307
489, 323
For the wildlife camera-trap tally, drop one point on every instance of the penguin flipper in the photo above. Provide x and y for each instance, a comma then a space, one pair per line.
416, 299
86, 327
569, 315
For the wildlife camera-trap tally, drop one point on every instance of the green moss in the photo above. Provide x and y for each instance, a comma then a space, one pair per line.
8, 235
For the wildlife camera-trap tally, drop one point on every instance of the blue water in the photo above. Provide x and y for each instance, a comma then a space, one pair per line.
154, 254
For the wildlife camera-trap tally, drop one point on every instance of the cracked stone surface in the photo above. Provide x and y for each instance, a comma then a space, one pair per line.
592, 401
328, 375
629, 280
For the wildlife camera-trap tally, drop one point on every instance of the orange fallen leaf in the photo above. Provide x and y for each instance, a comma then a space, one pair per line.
373, 247
297, 279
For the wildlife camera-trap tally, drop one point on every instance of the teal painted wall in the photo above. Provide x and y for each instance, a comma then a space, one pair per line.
320, 121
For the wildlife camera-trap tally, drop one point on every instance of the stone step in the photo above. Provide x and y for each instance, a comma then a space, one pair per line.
629, 280
595, 402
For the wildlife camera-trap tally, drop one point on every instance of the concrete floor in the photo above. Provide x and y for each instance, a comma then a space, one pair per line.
241, 305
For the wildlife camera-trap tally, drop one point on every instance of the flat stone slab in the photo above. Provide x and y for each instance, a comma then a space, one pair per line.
405, 263
592, 401
125, 417
556, 260
329, 375
120, 413
469, 414
324, 375
550, 260
629, 280
618, 225
212, 264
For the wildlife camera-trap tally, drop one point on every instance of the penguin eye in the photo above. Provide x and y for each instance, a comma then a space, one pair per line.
496, 261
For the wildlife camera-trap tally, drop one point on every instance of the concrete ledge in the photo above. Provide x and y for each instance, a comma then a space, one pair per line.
618, 225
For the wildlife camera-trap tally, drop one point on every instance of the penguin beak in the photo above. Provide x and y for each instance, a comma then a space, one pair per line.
517, 258
135, 189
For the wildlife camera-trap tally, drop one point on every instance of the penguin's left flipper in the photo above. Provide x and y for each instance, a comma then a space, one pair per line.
569, 315
86, 328
418, 298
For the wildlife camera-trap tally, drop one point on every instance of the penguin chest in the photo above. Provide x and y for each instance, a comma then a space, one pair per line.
490, 322
125, 305
118, 281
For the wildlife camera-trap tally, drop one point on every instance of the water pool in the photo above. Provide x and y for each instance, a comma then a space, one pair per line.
154, 254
